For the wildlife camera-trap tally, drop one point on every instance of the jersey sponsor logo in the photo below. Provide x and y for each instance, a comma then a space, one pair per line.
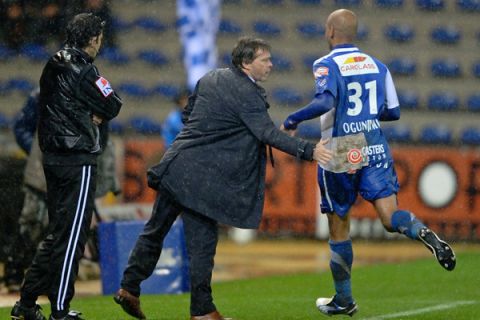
321, 71
355, 64
104, 86
373, 149
354, 156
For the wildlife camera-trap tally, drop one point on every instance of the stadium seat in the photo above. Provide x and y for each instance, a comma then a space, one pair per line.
114, 55
153, 57
4, 121
446, 34
348, 3
389, 3
5, 52
281, 63
408, 99
402, 66
470, 136
116, 127
225, 59
150, 24
166, 90
269, 2
446, 68
134, 90
435, 134
308, 60
311, 30
35, 52
145, 125
309, 2
230, 27
121, 25
397, 133
20, 84
266, 28
476, 69
473, 102
469, 5
362, 32
399, 32
431, 5
443, 101
308, 130
286, 96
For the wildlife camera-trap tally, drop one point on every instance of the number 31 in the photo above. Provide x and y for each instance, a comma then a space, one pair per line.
356, 87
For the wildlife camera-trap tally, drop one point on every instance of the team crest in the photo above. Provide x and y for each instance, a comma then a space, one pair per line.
354, 156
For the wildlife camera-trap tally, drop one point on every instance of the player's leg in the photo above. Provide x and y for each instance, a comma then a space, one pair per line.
338, 195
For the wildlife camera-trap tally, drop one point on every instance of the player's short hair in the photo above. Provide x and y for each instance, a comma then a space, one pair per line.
82, 28
245, 50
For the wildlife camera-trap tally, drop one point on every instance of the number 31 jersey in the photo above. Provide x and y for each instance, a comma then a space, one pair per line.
362, 87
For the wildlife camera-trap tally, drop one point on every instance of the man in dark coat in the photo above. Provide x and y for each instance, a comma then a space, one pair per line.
214, 172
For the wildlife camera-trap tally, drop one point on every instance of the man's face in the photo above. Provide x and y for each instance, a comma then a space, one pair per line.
260, 67
96, 44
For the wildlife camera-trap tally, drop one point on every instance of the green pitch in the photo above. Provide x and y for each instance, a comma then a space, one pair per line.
414, 290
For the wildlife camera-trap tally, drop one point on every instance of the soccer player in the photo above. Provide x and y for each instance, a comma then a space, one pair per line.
353, 93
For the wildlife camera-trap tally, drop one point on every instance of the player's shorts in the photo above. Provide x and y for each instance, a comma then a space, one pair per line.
339, 190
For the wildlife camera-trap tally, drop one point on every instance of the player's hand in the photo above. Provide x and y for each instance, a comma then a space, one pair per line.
291, 133
97, 120
321, 153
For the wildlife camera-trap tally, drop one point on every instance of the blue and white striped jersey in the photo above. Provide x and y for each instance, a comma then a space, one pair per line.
362, 87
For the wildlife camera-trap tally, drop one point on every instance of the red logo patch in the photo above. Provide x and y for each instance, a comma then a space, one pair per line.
354, 156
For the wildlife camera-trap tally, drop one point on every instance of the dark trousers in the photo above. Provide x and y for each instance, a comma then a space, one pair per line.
201, 235
70, 201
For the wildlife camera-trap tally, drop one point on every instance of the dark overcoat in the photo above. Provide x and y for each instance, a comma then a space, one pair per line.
216, 166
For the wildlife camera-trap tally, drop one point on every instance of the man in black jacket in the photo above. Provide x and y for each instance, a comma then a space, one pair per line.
75, 105
213, 172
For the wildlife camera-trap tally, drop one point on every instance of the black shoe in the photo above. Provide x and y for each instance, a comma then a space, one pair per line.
20, 312
72, 315
329, 307
129, 303
440, 249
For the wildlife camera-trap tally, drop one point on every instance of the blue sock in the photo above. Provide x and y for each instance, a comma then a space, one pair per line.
341, 266
405, 222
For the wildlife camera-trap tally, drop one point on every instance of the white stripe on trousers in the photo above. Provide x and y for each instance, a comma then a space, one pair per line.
326, 190
72, 242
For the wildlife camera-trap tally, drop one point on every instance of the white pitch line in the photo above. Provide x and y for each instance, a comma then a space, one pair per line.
422, 310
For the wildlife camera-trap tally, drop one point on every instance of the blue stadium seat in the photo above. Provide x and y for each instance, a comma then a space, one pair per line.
309, 2
121, 25
35, 52
225, 59
145, 125
470, 136
400, 32
166, 90
443, 101
4, 89
115, 126
476, 69
266, 28
446, 34
408, 99
20, 84
362, 32
397, 133
308, 130
435, 134
228, 26
431, 5
151, 24
4, 121
5, 52
134, 90
402, 66
389, 3
269, 2
281, 63
308, 60
286, 96
348, 3
311, 29
446, 68
473, 102
153, 57
114, 55
469, 5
